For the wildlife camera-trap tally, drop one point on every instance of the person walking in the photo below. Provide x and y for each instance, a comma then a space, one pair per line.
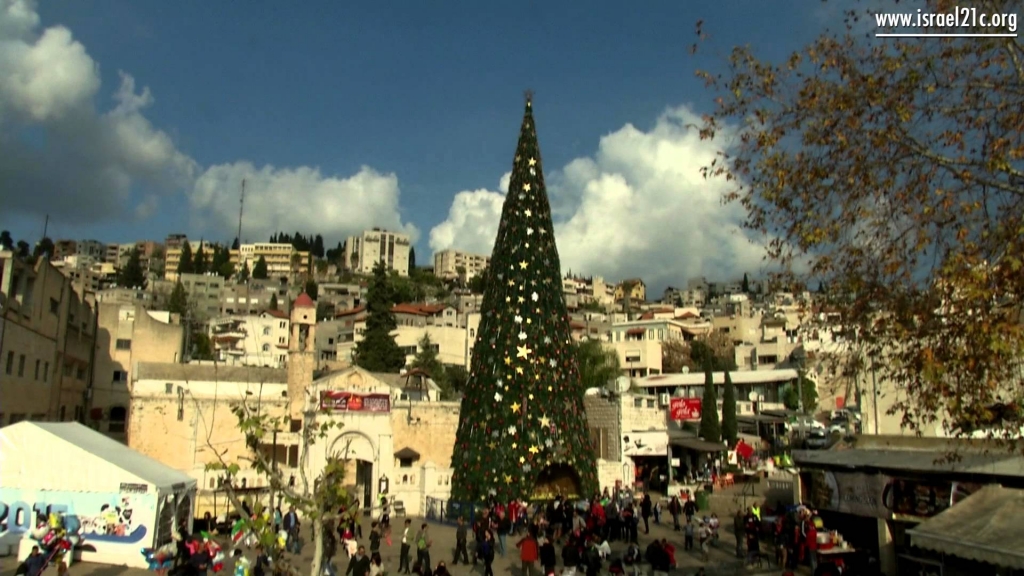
291, 526
461, 540
487, 553
529, 552
403, 558
645, 512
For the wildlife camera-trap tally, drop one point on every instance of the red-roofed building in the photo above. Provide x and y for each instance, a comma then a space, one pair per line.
304, 301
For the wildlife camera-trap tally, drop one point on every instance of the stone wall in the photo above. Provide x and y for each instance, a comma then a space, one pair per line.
428, 428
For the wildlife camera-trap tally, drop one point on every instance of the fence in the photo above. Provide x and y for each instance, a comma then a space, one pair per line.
448, 512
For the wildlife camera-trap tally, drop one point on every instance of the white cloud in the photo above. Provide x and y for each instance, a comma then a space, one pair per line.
61, 156
639, 207
293, 199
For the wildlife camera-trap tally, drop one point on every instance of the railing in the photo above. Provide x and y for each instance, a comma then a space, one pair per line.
448, 512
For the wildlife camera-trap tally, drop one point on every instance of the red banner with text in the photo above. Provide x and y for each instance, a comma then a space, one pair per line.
338, 401
684, 408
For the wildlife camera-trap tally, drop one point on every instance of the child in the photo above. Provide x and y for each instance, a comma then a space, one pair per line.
241, 563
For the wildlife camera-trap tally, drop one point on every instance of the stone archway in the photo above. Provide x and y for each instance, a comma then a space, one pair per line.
360, 454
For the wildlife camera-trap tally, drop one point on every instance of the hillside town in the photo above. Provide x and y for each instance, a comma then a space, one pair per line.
779, 330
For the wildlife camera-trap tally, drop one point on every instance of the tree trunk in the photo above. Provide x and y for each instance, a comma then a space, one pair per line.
318, 549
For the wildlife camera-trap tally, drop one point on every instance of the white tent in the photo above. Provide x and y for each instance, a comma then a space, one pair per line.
118, 500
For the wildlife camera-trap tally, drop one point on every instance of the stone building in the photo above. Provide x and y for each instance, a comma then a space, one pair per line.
47, 331
127, 334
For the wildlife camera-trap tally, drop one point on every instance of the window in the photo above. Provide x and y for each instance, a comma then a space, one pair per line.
405, 462
21, 365
119, 376
266, 330
293, 456
10, 365
282, 325
54, 305
63, 412
46, 371
79, 412
280, 340
123, 344
168, 388
38, 418
80, 373
266, 347
118, 417
39, 365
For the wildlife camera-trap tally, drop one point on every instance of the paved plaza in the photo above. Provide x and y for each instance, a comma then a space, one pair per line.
722, 557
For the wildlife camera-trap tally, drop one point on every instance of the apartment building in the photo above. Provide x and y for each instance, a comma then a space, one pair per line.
64, 248
203, 293
87, 275
172, 256
685, 298
636, 288
638, 342
452, 335
47, 332
251, 340
283, 260
364, 251
589, 290
252, 297
117, 254
91, 248
127, 334
453, 264
175, 240
126, 297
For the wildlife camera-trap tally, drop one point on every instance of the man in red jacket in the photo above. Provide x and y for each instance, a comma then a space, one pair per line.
529, 551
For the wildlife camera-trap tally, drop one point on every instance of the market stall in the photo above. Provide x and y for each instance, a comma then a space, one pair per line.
109, 499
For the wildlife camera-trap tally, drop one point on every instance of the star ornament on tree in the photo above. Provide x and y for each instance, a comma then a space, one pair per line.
523, 352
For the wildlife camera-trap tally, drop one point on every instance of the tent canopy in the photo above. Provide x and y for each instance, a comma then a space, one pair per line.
985, 527
70, 456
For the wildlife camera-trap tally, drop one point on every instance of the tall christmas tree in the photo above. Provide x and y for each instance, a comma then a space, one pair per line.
522, 430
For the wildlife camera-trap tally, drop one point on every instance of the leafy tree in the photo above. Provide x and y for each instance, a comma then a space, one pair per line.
476, 283
706, 351
412, 259
23, 249
273, 302
177, 303
790, 398
6, 242
457, 377
243, 273
911, 155
746, 284
43, 248
378, 352
316, 500
675, 355
598, 365
259, 270
200, 262
406, 289
427, 360
221, 263
710, 429
185, 265
730, 428
317, 249
809, 393
522, 414
312, 289
131, 275
202, 348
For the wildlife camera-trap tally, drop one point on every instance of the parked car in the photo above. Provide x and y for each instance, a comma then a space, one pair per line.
816, 439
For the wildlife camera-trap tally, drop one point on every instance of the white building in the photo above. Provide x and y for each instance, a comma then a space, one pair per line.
452, 264
364, 251
251, 340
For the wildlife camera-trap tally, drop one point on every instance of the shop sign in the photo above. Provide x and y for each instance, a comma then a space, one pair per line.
133, 488
881, 496
338, 401
645, 444
684, 408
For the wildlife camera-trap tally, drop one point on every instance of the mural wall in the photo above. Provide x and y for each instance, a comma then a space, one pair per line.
115, 524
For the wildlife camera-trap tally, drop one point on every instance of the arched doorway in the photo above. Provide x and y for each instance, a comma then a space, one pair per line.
359, 454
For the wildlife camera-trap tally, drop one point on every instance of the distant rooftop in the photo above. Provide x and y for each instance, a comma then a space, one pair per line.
210, 373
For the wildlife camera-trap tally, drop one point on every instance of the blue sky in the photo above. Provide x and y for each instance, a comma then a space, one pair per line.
402, 114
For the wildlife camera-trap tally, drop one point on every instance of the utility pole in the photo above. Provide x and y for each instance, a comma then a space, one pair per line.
241, 208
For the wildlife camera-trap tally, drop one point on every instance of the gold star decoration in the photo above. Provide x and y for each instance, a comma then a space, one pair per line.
516, 406
522, 459
524, 265
511, 282
519, 370
530, 396
536, 376
508, 361
508, 298
508, 478
534, 450
528, 212
526, 187
521, 300
533, 161
515, 445
492, 445
544, 421
529, 320
523, 352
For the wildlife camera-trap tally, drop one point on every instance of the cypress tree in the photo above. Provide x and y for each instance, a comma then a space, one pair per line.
710, 429
730, 429
522, 427
378, 352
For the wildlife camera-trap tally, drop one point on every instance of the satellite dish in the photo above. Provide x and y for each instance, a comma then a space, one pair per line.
753, 396
622, 384
686, 370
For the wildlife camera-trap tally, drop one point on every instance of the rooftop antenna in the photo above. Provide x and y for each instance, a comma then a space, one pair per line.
241, 207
